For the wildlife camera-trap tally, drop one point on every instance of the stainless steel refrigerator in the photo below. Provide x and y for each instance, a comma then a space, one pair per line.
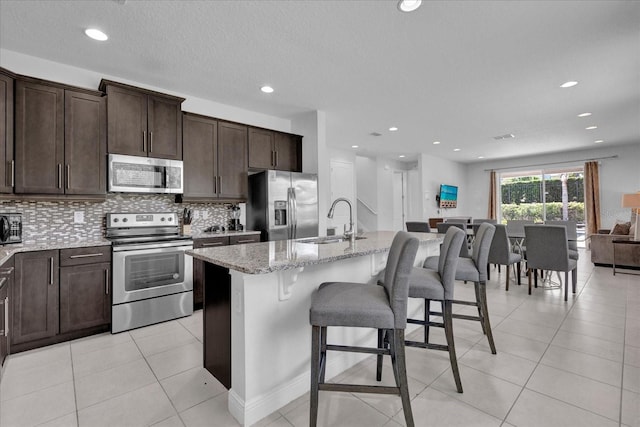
283, 205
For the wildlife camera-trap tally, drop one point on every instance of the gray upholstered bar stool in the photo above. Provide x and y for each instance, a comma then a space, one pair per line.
419, 227
364, 305
432, 285
474, 270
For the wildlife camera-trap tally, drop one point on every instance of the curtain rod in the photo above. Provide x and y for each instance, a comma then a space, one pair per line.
615, 156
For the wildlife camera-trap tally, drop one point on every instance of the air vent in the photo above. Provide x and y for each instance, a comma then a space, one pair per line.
505, 136
375, 134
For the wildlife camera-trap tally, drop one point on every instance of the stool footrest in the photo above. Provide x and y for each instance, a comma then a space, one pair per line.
358, 388
351, 349
426, 345
422, 322
466, 317
474, 303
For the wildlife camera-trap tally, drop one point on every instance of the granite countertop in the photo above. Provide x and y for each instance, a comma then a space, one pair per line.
28, 246
267, 257
204, 235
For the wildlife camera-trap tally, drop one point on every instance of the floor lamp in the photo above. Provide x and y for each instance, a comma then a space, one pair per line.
632, 201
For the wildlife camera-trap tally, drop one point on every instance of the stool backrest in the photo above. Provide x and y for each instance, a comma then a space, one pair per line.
500, 246
396, 276
481, 248
448, 260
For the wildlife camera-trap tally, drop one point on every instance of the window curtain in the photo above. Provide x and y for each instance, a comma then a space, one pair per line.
493, 197
592, 197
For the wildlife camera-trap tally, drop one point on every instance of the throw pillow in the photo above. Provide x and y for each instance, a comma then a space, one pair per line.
621, 228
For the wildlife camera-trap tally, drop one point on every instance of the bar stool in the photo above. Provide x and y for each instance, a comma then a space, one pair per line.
438, 286
365, 306
474, 269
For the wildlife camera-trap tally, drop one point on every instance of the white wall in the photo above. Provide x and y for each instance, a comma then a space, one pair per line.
617, 176
41, 68
436, 171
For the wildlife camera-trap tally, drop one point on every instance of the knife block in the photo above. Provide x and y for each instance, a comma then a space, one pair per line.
186, 229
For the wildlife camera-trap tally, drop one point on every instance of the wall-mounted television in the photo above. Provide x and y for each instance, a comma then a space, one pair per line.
448, 196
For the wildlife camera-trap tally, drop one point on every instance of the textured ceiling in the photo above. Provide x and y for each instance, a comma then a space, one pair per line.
459, 72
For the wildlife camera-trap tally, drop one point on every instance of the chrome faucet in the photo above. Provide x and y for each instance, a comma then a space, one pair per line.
350, 233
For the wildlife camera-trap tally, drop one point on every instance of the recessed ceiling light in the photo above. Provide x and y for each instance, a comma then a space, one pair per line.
599, 141
96, 34
393, 129
436, 142
584, 114
409, 5
568, 84
354, 146
481, 157
267, 89
402, 156
591, 127
456, 149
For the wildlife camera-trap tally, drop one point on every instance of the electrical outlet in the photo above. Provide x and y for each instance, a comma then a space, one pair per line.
78, 217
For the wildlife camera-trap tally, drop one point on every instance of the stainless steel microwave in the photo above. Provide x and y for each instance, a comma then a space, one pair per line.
10, 228
133, 174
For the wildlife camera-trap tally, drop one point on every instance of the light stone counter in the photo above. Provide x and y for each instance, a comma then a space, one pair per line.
268, 257
256, 300
34, 245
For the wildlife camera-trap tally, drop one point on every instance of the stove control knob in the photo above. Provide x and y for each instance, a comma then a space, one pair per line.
125, 219
162, 219
170, 219
115, 220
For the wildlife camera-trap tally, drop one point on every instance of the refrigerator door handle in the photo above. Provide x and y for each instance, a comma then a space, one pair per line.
295, 213
289, 214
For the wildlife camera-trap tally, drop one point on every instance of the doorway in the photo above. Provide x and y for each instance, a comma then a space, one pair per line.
399, 200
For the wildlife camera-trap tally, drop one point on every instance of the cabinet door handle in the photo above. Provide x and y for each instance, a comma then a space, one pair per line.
246, 241
150, 141
6, 271
212, 244
13, 173
6, 316
106, 281
85, 255
4, 279
68, 175
273, 158
276, 164
144, 141
215, 184
59, 175
219, 184
51, 271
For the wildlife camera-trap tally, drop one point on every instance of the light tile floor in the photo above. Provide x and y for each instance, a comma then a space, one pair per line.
558, 364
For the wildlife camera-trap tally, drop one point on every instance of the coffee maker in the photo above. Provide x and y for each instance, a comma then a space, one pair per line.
234, 222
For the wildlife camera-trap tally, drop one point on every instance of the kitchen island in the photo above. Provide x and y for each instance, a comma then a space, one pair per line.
257, 338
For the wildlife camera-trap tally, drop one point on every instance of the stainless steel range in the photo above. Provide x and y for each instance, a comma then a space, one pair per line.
152, 276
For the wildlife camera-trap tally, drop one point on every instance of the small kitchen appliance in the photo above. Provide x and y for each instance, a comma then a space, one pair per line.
10, 228
234, 223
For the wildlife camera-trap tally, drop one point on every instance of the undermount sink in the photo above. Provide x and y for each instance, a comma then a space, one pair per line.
329, 239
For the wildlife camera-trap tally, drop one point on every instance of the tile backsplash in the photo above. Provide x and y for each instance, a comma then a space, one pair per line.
54, 220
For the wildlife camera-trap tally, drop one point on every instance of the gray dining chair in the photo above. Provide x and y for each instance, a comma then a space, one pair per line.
432, 285
419, 227
444, 226
548, 250
474, 269
500, 253
572, 236
363, 305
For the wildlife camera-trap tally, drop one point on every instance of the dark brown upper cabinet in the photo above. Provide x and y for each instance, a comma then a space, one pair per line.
142, 122
7, 165
274, 150
215, 159
60, 140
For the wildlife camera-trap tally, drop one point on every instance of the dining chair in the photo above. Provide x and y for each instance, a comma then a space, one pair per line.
432, 285
515, 232
474, 269
572, 236
364, 305
419, 227
500, 253
548, 250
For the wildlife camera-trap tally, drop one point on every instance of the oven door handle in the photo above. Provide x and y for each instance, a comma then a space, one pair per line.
156, 245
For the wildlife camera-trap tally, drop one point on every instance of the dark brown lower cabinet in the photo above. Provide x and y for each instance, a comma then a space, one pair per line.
84, 296
35, 296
